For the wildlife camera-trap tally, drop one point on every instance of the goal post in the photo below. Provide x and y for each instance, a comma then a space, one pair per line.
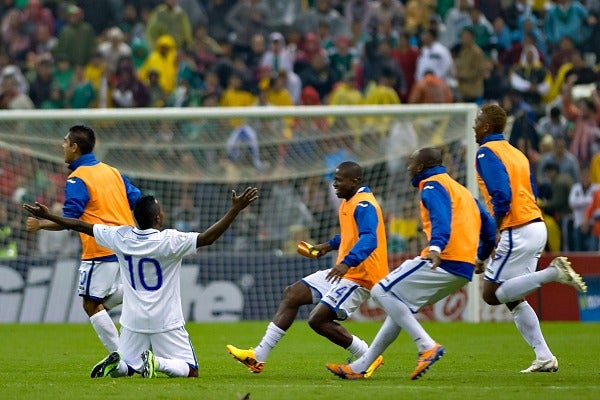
192, 157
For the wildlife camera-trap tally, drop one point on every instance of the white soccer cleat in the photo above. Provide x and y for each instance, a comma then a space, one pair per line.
550, 365
566, 274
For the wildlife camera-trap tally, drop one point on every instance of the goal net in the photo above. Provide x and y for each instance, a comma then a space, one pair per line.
191, 159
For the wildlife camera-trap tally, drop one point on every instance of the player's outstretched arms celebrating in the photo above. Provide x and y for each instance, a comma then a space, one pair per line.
41, 211
33, 225
238, 203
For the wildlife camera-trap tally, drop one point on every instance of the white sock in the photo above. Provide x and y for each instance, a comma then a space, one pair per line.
172, 367
404, 318
121, 370
272, 336
388, 332
358, 347
528, 324
114, 299
106, 330
520, 286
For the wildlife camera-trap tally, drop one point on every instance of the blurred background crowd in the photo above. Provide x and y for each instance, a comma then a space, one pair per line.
536, 58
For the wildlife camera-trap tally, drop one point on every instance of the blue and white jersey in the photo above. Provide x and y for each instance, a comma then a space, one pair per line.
150, 263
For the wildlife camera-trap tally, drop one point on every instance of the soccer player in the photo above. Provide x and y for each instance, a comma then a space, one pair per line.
458, 230
96, 193
338, 291
507, 182
153, 337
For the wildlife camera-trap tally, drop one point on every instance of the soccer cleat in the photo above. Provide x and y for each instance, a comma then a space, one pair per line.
550, 365
106, 366
150, 365
247, 358
566, 274
373, 367
426, 359
345, 372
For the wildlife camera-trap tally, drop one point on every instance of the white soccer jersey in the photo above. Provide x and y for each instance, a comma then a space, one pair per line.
150, 263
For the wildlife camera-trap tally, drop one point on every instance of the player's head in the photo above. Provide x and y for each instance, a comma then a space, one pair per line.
422, 159
78, 141
347, 178
148, 213
490, 119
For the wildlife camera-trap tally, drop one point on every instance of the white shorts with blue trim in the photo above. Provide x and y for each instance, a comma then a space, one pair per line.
417, 285
517, 253
98, 279
174, 344
343, 298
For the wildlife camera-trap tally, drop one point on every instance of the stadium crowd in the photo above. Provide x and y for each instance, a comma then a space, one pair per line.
536, 58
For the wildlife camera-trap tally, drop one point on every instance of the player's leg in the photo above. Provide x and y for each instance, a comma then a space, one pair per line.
131, 346
339, 303
407, 290
294, 296
98, 280
172, 353
516, 259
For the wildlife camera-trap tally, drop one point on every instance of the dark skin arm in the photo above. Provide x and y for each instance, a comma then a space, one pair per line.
238, 203
41, 211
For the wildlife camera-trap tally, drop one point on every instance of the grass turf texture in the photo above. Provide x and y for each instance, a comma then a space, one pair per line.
482, 362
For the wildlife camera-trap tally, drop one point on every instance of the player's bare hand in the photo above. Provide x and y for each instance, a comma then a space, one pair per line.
479, 267
322, 248
337, 273
37, 210
434, 257
248, 196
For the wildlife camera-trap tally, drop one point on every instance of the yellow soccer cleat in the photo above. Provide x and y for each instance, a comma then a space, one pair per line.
373, 367
247, 358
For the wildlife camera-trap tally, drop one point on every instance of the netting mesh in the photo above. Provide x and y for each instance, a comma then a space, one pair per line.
191, 164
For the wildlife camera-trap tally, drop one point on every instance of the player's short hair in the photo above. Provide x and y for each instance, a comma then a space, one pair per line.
495, 116
84, 137
145, 211
351, 170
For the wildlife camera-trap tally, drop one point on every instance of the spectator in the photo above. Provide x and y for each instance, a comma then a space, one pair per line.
392, 10
361, 11
585, 116
55, 100
216, 11
194, 11
14, 34
277, 57
309, 46
531, 79
583, 73
456, 20
417, 15
482, 28
34, 15
43, 42
374, 66
114, 48
322, 12
346, 92
554, 124
528, 27
63, 73
591, 221
163, 59
430, 89
246, 19
343, 57
470, 68
568, 18
561, 54
406, 56
559, 186
580, 198
81, 93
41, 86
320, 76
567, 163
435, 57
515, 10
282, 14
129, 90
169, 19
100, 14
132, 24
502, 35
11, 97
77, 40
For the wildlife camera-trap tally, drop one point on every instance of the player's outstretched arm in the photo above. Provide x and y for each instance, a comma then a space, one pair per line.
41, 211
238, 203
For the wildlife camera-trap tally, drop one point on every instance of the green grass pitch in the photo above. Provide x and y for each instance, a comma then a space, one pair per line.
482, 361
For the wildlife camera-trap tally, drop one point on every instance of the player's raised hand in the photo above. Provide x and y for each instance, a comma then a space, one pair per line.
39, 210
248, 196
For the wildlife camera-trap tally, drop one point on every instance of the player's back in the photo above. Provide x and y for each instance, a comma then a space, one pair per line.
150, 263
